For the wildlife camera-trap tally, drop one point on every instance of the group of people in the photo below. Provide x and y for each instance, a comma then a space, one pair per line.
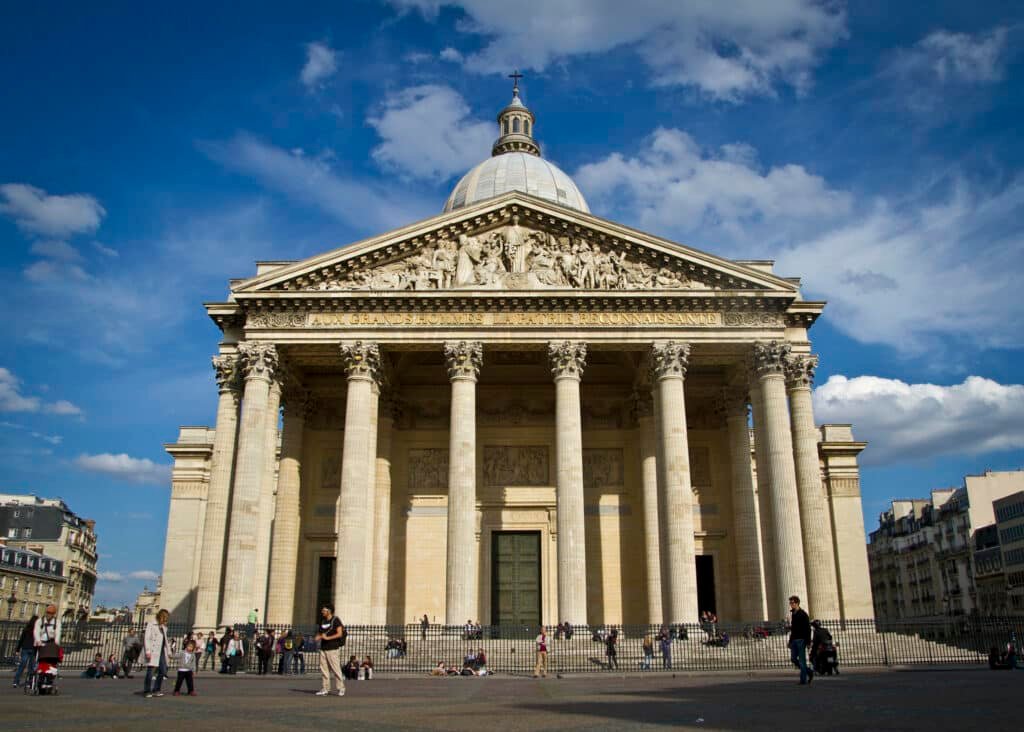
356, 670
473, 664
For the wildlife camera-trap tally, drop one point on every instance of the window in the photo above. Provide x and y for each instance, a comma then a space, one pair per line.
3, 582
28, 533
515, 125
7, 556
504, 126
14, 585
29, 513
49, 590
12, 533
24, 608
17, 513
526, 126
39, 588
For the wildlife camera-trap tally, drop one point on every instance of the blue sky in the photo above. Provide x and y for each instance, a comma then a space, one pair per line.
150, 154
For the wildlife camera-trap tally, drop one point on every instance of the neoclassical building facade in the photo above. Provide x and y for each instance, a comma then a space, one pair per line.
514, 412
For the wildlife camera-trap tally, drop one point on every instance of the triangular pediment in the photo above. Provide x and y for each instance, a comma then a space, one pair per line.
514, 243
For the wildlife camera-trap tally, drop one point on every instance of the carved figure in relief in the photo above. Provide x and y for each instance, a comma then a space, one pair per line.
428, 469
468, 258
515, 465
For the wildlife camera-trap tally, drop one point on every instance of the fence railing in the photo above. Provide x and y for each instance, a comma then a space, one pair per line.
511, 649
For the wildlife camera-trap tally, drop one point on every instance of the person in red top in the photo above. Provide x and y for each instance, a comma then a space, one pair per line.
541, 669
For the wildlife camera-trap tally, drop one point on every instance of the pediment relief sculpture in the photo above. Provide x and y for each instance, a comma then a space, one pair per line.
512, 257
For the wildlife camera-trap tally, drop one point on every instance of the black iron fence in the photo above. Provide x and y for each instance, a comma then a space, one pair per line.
511, 649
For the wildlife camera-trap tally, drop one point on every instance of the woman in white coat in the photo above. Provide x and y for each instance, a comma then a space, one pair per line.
156, 648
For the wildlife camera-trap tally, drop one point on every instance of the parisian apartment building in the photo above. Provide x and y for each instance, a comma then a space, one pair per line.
47, 527
29, 581
958, 552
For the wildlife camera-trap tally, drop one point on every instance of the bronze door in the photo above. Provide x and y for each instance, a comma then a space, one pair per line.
515, 578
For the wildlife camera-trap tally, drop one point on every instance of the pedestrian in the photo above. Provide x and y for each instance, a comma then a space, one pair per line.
263, 646
157, 649
610, 651
541, 669
648, 650
665, 641
225, 641
299, 660
200, 646
287, 652
799, 638
186, 662
235, 652
332, 637
424, 627
26, 651
210, 659
253, 618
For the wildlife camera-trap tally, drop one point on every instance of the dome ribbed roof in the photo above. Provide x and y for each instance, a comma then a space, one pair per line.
516, 171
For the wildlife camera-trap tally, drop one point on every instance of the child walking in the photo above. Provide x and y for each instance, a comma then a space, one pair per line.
186, 664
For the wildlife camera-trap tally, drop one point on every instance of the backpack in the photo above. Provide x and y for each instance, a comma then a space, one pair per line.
344, 635
288, 645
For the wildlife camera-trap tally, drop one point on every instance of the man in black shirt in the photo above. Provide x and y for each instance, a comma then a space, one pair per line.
330, 635
799, 638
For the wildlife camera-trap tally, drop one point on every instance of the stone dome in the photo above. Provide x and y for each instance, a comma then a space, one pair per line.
516, 171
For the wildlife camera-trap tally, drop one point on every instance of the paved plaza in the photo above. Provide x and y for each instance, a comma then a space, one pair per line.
863, 699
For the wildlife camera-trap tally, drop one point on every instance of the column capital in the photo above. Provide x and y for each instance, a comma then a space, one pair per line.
668, 359
259, 360
226, 372
734, 401
800, 370
464, 359
567, 358
361, 360
769, 358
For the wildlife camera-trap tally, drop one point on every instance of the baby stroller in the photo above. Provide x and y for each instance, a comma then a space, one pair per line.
43, 680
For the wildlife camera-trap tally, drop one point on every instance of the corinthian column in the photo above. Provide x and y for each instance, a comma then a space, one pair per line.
644, 406
267, 498
362, 369
382, 513
225, 436
463, 359
567, 359
815, 522
284, 548
259, 361
780, 473
744, 508
669, 361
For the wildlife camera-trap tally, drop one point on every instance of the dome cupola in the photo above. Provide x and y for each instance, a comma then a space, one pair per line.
516, 165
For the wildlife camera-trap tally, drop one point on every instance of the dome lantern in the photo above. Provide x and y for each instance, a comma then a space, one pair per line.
515, 125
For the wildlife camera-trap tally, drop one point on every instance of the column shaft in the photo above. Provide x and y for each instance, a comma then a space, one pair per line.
211, 565
815, 519
260, 362
371, 501
284, 550
362, 364
764, 507
744, 510
382, 517
790, 573
268, 488
652, 544
567, 365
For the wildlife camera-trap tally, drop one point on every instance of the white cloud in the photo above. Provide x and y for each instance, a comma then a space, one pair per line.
898, 273
143, 574
105, 250
54, 270
55, 249
956, 57
428, 133
11, 398
321, 63
452, 55
52, 439
672, 184
37, 212
109, 576
124, 467
906, 422
727, 50
63, 407
315, 182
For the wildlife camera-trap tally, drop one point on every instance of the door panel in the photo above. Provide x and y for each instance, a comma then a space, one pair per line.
515, 578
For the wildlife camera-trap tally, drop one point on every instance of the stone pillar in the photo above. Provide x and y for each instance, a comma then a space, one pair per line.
382, 514
749, 575
259, 361
268, 489
780, 473
669, 361
371, 496
764, 508
463, 359
284, 547
362, 368
815, 517
225, 437
644, 406
567, 359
